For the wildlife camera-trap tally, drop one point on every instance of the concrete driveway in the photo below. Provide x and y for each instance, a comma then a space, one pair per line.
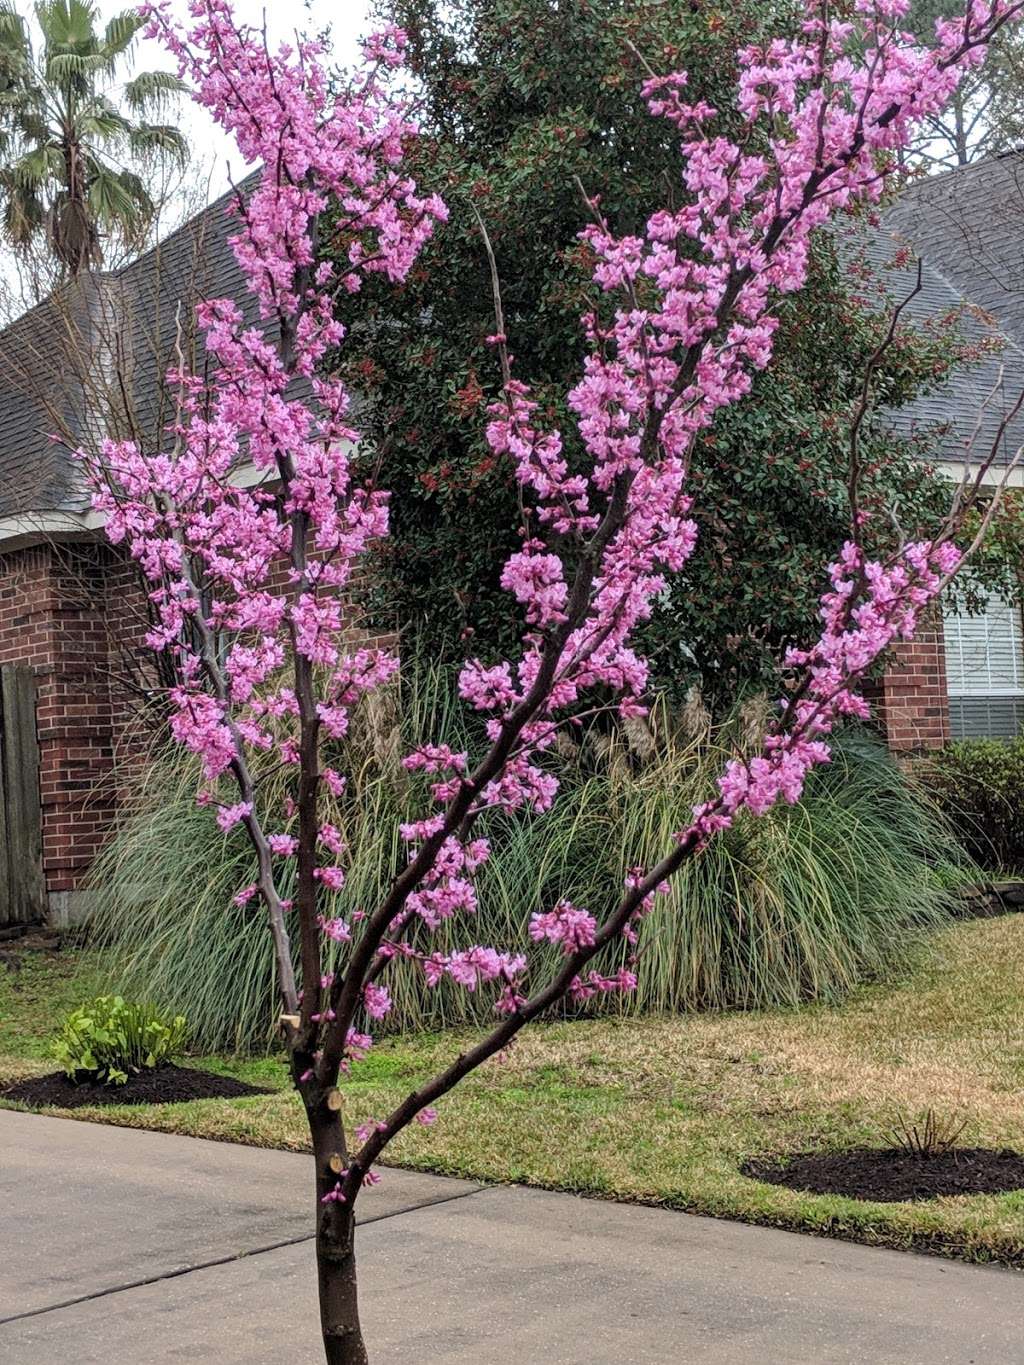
144, 1248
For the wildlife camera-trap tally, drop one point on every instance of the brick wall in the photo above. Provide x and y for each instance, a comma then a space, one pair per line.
911, 701
77, 615
57, 608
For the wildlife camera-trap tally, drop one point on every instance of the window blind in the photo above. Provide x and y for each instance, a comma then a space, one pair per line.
985, 671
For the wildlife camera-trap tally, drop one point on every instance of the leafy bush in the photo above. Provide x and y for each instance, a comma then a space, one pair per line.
803, 904
109, 1039
979, 785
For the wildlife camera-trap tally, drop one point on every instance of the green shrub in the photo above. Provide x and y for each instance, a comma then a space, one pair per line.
979, 785
803, 904
109, 1039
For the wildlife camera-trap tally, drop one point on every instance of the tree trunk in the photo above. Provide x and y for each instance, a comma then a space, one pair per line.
335, 1249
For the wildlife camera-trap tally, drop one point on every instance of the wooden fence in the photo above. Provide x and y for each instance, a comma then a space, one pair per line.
22, 888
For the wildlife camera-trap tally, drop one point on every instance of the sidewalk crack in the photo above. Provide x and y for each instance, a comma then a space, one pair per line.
222, 1260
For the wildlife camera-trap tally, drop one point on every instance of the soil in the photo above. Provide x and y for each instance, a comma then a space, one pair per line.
893, 1176
164, 1085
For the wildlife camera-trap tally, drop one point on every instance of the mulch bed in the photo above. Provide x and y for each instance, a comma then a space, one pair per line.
891, 1176
165, 1085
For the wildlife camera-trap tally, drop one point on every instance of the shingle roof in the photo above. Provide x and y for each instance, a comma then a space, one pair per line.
94, 354
967, 225
58, 362
971, 403
41, 391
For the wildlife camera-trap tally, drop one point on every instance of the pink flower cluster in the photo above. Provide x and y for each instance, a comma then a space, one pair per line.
565, 924
889, 601
447, 886
471, 967
259, 573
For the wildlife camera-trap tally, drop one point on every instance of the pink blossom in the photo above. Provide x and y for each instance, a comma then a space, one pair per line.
565, 924
376, 1000
229, 816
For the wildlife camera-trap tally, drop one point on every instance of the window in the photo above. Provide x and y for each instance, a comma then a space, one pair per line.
985, 671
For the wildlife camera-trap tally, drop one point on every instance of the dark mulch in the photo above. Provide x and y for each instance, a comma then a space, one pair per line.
892, 1176
165, 1085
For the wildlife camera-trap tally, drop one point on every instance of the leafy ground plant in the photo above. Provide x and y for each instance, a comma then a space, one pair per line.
109, 1039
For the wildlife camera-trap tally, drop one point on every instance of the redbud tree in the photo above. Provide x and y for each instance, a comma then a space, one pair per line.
251, 582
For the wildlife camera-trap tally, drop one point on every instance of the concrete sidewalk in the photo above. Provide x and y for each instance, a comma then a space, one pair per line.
144, 1248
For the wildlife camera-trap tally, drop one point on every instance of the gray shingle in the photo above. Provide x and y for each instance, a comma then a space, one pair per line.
971, 404
967, 225
93, 357
40, 393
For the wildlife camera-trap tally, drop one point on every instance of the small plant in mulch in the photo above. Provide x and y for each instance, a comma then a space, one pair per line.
924, 1163
928, 1136
112, 1051
111, 1039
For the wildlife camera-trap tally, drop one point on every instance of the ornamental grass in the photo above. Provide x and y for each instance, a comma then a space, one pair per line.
802, 904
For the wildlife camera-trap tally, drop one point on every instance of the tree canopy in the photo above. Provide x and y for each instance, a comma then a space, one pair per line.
75, 145
529, 105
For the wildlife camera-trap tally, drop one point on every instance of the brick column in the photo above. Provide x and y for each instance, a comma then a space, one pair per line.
911, 701
56, 607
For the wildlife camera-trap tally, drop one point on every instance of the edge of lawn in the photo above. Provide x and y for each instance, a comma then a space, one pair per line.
638, 1149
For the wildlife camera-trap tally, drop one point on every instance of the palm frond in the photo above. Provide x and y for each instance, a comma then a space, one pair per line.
67, 25
120, 32
15, 45
23, 214
62, 68
117, 198
152, 90
34, 168
102, 121
148, 139
31, 127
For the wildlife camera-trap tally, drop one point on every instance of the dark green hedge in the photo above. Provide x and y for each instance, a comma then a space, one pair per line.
979, 784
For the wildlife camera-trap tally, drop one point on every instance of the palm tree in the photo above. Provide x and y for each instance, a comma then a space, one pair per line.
75, 149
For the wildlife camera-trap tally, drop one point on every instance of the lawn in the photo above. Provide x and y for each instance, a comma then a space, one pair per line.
666, 1110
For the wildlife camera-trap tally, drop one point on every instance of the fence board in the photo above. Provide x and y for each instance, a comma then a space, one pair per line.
7, 916
25, 899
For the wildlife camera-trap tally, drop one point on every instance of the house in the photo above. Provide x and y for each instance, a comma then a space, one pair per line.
964, 676
92, 358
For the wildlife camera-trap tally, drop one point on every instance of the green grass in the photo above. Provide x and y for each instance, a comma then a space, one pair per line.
666, 1109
